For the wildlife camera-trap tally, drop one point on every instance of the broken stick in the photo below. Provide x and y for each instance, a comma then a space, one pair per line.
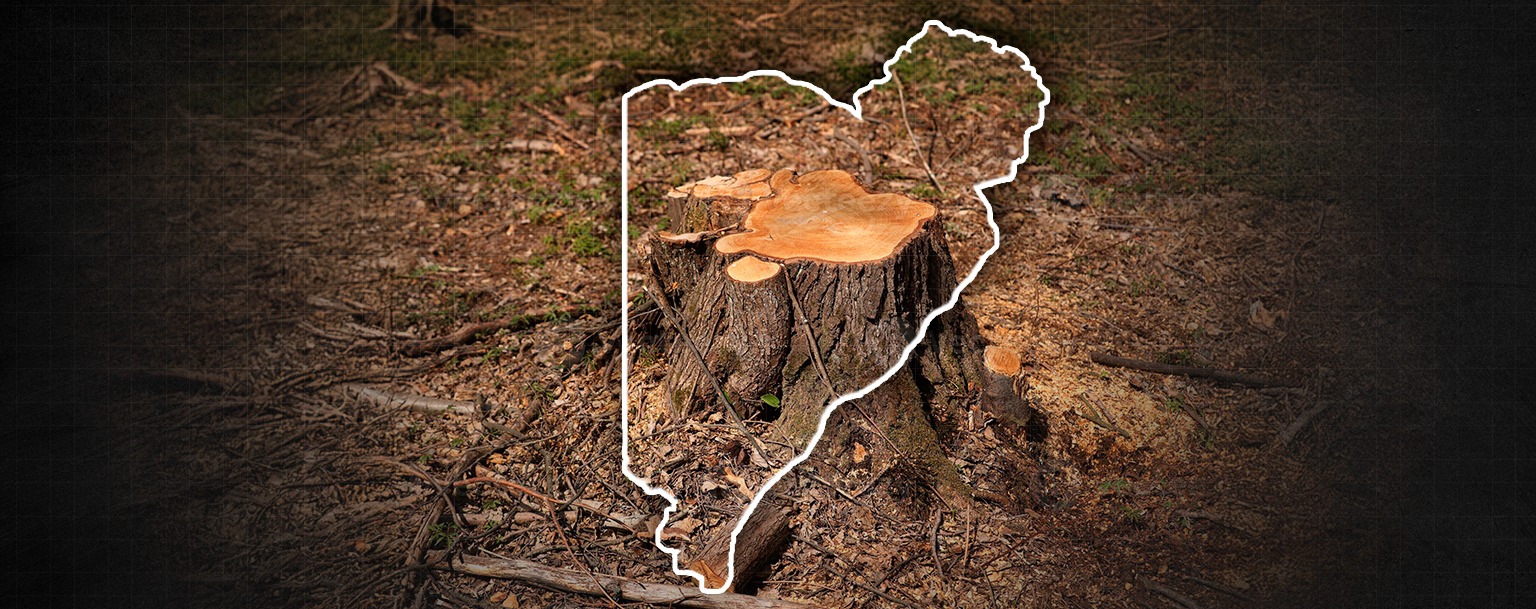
468, 332
621, 588
417, 403
1224, 376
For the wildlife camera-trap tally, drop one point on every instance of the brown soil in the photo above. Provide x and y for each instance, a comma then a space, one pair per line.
316, 246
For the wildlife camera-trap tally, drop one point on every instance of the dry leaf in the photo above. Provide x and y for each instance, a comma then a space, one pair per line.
741, 483
1262, 317
859, 453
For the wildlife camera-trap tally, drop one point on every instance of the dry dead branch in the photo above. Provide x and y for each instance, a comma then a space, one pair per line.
468, 332
1223, 376
621, 588
415, 403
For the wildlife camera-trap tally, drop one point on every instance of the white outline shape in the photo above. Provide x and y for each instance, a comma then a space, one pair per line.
857, 110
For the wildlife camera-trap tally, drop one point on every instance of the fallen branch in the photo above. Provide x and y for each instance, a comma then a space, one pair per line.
1224, 376
1289, 433
517, 145
1169, 593
468, 332
561, 127
416, 403
760, 542
483, 476
621, 588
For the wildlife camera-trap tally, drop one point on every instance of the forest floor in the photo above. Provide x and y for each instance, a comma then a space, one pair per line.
369, 192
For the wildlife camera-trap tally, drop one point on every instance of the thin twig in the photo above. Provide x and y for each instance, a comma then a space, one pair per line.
468, 332
554, 517
902, 97
1289, 433
933, 540
846, 577
821, 368
561, 127
1099, 418
508, 484
1224, 376
869, 169
660, 298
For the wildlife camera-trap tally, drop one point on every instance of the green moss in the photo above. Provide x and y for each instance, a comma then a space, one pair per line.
730, 362
918, 441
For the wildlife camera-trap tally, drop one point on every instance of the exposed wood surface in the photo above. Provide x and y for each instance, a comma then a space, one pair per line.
621, 588
1001, 360
751, 269
827, 216
1224, 376
748, 185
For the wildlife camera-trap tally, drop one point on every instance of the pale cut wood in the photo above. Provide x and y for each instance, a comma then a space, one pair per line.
827, 216
621, 588
748, 185
751, 269
1001, 360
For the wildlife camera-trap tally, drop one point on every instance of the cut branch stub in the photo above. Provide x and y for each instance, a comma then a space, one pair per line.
826, 216
751, 269
1002, 360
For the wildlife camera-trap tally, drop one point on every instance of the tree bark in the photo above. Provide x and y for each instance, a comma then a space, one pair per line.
861, 313
759, 544
785, 292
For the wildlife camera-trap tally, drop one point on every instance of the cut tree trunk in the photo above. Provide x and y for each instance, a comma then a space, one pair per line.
809, 287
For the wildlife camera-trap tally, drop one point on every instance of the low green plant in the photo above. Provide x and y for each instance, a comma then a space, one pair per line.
1114, 486
443, 534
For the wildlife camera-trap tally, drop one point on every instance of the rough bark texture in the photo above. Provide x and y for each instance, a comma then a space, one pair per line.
759, 544
861, 316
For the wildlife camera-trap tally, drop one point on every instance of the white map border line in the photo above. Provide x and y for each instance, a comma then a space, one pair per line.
857, 110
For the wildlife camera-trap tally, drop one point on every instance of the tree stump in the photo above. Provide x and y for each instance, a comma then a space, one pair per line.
787, 291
